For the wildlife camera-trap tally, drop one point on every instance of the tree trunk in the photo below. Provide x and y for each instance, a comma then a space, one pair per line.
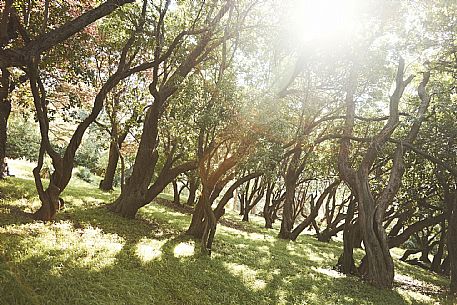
267, 210
328, 233
107, 183
176, 193
346, 262
137, 184
128, 205
197, 227
242, 201
437, 258
193, 187
446, 266
209, 223
377, 266
407, 253
268, 221
64, 165
424, 254
452, 241
246, 215
329, 190
287, 212
5, 110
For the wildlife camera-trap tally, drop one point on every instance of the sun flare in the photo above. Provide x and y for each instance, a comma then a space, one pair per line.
316, 20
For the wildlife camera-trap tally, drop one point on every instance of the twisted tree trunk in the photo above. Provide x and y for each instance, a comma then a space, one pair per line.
377, 266
193, 187
315, 210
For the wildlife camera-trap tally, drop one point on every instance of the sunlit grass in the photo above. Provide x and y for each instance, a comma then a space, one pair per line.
91, 256
149, 249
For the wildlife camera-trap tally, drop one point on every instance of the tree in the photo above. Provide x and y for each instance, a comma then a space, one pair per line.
63, 165
19, 49
377, 266
209, 37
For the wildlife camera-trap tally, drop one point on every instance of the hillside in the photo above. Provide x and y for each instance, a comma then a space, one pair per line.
91, 256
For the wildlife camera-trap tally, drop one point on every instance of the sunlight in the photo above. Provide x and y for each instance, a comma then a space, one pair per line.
248, 275
329, 272
184, 249
87, 247
323, 19
149, 249
414, 297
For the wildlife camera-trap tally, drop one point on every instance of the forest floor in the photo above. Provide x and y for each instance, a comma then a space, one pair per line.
91, 256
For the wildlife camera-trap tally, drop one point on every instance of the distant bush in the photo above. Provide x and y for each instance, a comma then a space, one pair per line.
84, 174
23, 139
24, 142
90, 151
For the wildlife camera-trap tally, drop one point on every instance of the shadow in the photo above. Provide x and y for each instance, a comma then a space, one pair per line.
11, 214
57, 276
92, 256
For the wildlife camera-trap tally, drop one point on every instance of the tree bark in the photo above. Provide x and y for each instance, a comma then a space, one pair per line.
267, 206
5, 110
193, 187
346, 262
196, 226
437, 258
377, 266
452, 240
315, 210
328, 233
395, 241
113, 158
134, 198
287, 223
108, 180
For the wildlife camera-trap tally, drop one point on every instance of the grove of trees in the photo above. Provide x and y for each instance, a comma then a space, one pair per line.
342, 124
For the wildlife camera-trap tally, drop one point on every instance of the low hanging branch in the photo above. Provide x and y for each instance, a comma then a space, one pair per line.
24, 56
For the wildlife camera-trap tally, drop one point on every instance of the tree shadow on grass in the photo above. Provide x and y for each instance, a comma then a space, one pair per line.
302, 274
58, 275
12, 214
246, 268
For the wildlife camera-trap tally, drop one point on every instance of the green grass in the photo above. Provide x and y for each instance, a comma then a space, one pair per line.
91, 256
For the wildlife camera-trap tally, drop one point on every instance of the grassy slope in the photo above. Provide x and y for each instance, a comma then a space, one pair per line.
90, 256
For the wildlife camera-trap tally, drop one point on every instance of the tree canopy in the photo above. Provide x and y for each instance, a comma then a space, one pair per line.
330, 117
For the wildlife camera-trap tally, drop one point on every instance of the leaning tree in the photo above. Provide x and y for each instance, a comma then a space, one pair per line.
176, 53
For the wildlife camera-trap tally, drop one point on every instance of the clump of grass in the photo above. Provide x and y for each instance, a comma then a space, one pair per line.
91, 256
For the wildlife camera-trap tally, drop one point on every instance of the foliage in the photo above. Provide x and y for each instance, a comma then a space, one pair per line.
90, 152
250, 86
23, 139
84, 174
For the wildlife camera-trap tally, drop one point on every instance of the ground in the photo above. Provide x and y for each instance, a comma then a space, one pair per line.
91, 256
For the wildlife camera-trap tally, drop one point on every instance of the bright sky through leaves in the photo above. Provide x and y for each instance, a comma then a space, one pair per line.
323, 19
